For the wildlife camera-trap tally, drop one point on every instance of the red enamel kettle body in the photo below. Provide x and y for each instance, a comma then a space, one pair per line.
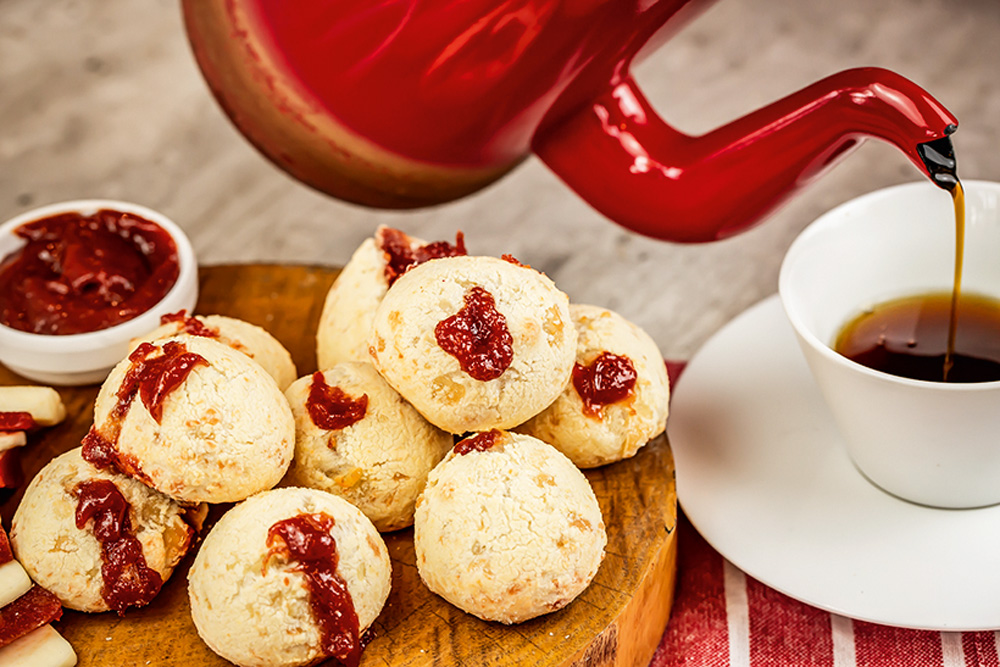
408, 103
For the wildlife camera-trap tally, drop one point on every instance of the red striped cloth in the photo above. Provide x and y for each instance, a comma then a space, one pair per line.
723, 618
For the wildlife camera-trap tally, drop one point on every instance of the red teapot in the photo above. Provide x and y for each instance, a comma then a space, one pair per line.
408, 103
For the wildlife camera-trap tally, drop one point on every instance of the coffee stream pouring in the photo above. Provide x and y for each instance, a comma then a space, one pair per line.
408, 103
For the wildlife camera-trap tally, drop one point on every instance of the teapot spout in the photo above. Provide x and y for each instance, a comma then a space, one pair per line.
640, 172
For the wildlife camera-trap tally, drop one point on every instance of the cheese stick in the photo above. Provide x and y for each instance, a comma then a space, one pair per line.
14, 582
12, 439
43, 403
43, 647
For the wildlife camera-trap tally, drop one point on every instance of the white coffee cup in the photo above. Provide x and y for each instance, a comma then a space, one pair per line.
932, 443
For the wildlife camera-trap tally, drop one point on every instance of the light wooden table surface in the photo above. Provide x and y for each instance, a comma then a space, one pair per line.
103, 99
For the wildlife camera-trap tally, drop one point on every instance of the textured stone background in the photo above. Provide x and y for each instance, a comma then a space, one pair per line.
103, 99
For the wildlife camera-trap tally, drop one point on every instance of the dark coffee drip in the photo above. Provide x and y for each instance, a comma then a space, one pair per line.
939, 158
958, 197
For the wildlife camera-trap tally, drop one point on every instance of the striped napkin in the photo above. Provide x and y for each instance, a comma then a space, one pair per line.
724, 618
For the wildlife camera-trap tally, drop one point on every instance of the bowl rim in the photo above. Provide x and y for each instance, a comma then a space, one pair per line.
101, 338
833, 218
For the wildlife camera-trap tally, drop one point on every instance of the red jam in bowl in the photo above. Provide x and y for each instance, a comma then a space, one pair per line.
78, 273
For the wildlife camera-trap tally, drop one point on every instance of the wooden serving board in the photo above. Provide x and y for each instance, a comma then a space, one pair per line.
617, 621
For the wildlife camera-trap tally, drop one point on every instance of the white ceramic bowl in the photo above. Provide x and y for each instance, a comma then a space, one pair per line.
85, 358
932, 443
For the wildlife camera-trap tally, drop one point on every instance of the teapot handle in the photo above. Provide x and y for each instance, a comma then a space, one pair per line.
634, 168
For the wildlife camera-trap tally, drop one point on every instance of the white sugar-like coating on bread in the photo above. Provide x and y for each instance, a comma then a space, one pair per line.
349, 308
621, 428
67, 560
250, 339
226, 431
405, 349
508, 533
253, 609
379, 463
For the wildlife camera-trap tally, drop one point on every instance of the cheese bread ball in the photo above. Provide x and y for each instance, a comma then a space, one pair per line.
507, 528
474, 343
251, 597
357, 438
346, 320
625, 392
247, 338
223, 433
66, 559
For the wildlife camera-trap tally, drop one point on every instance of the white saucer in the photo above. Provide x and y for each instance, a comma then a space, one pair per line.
763, 476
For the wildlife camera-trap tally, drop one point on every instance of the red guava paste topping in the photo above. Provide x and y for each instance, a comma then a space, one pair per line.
332, 408
477, 335
152, 379
102, 452
189, 325
477, 443
608, 379
16, 421
400, 256
83, 273
29, 612
128, 581
513, 260
306, 541
155, 377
